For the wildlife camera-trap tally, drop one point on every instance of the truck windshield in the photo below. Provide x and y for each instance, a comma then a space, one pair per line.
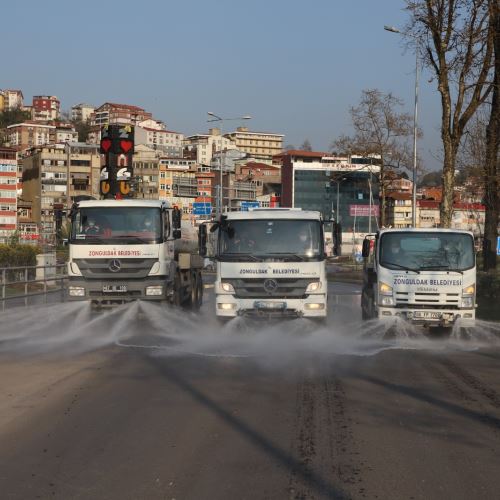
427, 251
116, 225
289, 240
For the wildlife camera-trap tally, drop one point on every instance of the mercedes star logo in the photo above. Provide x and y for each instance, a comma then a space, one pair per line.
115, 265
270, 286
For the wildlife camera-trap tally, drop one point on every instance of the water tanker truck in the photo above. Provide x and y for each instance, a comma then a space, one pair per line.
129, 249
424, 276
269, 262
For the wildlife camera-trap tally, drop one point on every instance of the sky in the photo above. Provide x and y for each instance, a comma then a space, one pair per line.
296, 67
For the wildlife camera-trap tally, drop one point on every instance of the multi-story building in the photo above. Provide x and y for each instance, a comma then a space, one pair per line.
63, 132
11, 99
110, 112
46, 108
29, 134
145, 166
260, 145
8, 193
201, 147
82, 112
398, 209
166, 141
27, 228
400, 184
53, 175
342, 188
84, 162
178, 183
251, 181
466, 216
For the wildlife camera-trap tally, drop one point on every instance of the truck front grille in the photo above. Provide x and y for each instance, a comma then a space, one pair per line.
100, 268
253, 288
443, 300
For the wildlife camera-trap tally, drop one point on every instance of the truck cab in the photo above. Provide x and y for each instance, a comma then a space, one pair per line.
424, 276
270, 262
123, 250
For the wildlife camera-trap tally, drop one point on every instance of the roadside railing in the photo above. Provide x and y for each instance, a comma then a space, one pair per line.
20, 284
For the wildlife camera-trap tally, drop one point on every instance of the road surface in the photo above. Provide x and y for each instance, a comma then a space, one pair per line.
150, 403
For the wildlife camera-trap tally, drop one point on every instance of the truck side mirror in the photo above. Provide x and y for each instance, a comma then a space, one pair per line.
202, 240
176, 218
176, 234
365, 252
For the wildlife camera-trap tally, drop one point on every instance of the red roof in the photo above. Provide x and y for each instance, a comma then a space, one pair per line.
303, 153
457, 206
396, 195
126, 106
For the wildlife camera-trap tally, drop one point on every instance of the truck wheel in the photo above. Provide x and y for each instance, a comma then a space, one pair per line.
177, 290
193, 300
199, 291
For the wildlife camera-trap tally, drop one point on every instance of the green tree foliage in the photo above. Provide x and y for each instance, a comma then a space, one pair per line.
18, 255
12, 116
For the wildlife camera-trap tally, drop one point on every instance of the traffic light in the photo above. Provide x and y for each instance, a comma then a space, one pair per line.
117, 146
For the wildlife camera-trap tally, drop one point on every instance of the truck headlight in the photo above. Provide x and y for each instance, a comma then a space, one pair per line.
74, 269
314, 286
227, 287
384, 289
76, 291
468, 296
387, 301
154, 290
155, 269
226, 306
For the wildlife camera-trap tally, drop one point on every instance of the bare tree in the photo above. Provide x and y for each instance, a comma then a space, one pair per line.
457, 43
492, 167
306, 145
379, 131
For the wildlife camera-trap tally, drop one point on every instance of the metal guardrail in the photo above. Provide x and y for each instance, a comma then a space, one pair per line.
23, 282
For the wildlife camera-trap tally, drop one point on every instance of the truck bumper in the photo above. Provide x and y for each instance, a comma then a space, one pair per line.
112, 292
314, 306
430, 317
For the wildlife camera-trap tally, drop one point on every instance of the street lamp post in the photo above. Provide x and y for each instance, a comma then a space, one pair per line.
392, 29
216, 118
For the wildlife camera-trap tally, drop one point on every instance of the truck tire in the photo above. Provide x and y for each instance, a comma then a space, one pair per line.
199, 291
192, 298
177, 298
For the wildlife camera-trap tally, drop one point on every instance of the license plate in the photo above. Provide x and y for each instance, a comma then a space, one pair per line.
270, 305
427, 315
114, 288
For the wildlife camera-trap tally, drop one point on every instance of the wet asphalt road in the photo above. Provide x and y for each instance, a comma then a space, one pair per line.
146, 417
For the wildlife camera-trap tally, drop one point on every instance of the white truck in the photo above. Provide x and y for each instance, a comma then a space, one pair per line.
269, 262
424, 276
123, 250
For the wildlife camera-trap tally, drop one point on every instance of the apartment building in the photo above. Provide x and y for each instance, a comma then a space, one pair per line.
201, 147
8, 193
398, 209
27, 229
259, 145
82, 112
46, 108
118, 113
166, 141
53, 175
179, 183
29, 134
466, 216
145, 164
11, 99
63, 132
